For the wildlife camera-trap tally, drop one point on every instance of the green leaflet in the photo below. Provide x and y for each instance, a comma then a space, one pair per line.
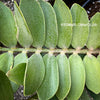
6, 61
85, 96
6, 92
80, 26
51, 24
16, 74
64, 76
8, 28
35, 19
24, 36
64, 18
94, 33
77, 77
51, 80
34, 74
92, 68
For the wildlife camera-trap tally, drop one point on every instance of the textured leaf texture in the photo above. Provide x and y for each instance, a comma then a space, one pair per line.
51, 24
34, 16
80, 26
6, 92
64, 76
50, 83
23, 35
94, 33
92, 68
77, 77
64, 19
8, 28
16, 74
6, 61
34, 74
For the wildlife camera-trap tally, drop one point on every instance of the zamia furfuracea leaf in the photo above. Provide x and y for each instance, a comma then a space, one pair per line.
77, 77
50, 83
50, 24
64, 76
8, 28
58, 67
94, 33
92, 69
64, 21
80, 26
34, 16
23, 35
34, 74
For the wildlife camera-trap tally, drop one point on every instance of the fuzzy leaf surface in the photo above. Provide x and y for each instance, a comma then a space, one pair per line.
8, 28
64, 76
23, 35
94, 33
64, 18
51, 24
50, 83
77, 77
34, 74
80, 26
34, 16
92, 69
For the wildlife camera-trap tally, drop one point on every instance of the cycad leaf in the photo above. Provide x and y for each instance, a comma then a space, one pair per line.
50, 83
92, 69
6, 61
16, 74
35, 19
77, 77
64, 76
34, 74
94, 33
51, 24
80, 26
24, 36
64, 18
6, 92
8, 28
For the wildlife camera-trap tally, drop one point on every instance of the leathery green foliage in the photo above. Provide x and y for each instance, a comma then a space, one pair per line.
54, 70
